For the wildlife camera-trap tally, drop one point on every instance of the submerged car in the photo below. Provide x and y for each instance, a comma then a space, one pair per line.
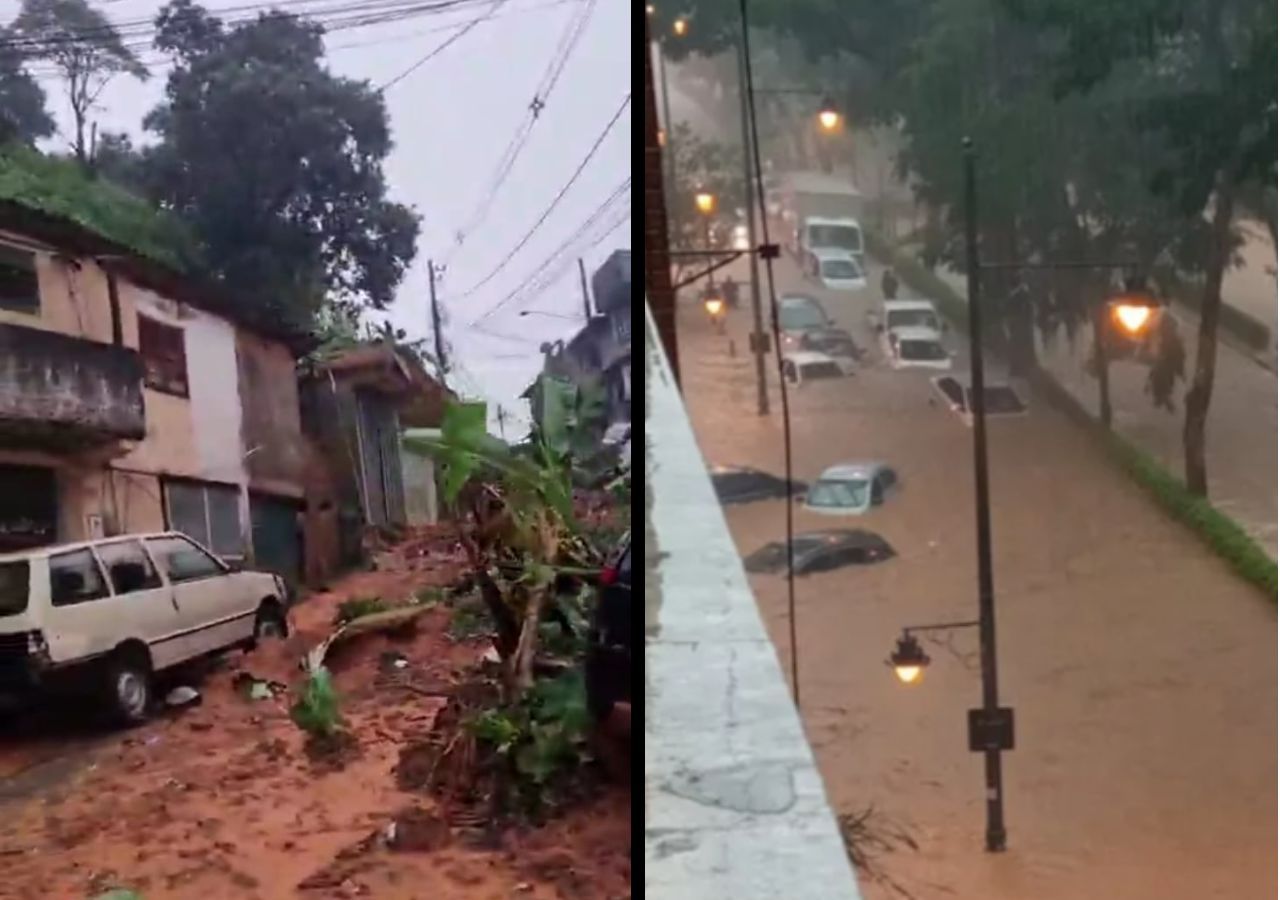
804, 366
821, 551
105, 617
739, 484
799, 314
834, 342
837, 270
851, 489
916, 348
897, 314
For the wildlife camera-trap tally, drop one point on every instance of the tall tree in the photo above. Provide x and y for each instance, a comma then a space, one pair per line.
277, 164
1214, 65
23, 116
84, 47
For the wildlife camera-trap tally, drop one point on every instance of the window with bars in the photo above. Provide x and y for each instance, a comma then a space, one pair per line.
19, 286
164, 354
209, 513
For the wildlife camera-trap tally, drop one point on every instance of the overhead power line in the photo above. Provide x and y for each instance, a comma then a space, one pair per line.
331, 12
159, 61
607, 213
444, 45
550, 78
622, 107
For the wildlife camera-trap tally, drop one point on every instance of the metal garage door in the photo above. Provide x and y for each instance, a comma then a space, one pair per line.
277, 536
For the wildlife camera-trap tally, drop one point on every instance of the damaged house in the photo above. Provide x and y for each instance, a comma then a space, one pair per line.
133, 399
356, 406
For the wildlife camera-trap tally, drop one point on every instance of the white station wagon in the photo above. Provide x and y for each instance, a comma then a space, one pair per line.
108, 615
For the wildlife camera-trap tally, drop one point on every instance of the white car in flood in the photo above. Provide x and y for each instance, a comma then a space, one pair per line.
105, 617
851, 489
805, 366
837, 270
915, 348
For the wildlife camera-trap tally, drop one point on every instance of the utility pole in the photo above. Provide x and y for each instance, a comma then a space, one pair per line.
586, 294
990, 711
657, 251
757, 312
437, 330
502, 422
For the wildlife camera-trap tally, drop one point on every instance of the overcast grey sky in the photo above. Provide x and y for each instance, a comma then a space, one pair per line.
452, 119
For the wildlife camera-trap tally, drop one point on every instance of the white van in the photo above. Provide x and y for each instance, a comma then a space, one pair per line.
108, 615
899, 314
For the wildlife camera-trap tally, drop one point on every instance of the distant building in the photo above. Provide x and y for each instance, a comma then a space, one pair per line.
601, 350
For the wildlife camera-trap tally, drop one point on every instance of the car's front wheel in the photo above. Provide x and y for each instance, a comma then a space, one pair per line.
129, 687
270, 624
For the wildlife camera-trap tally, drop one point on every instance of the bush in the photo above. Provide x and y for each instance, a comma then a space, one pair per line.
538, 743
317, 711
1221, 533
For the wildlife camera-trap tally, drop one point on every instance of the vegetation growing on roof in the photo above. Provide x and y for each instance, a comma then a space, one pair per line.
61, 188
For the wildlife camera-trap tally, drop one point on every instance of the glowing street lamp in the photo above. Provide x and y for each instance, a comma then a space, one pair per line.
1133, 313
680, 27
908, 659
705, 201
828, 116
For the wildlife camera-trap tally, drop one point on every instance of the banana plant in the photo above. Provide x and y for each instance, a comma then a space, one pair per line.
521, 525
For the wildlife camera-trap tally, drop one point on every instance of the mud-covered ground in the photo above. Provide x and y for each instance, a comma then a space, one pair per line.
220, 800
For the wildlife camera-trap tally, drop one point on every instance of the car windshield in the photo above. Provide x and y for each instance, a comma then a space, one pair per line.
800, 316
924, 351
15, 578
816, 370
912, 318
841, 269
839, 494
842, 237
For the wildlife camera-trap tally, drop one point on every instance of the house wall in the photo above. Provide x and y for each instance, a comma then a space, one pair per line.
73, 298
201, 437
271, 428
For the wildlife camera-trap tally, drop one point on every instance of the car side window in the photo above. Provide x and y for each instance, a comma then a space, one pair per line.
128, 567
183, 560
75, 577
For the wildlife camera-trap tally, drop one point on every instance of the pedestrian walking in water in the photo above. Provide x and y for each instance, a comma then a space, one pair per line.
889, 285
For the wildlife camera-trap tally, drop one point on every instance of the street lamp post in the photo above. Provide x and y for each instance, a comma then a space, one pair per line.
679, 28
996, 835
1130, 315
758, 340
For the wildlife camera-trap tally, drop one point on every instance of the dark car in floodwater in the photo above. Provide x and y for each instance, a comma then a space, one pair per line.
740, 484
820, 551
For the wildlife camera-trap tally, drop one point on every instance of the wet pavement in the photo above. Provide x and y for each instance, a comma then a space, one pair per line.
1142, 671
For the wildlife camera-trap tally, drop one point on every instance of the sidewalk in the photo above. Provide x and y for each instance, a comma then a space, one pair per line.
1242, 419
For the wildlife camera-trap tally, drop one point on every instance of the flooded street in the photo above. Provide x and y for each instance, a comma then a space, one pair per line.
1142, 671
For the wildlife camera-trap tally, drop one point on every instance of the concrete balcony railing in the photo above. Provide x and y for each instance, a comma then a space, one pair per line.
64, 393
734, 805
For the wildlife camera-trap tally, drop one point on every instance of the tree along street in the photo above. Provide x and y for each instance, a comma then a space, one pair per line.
1141, 669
